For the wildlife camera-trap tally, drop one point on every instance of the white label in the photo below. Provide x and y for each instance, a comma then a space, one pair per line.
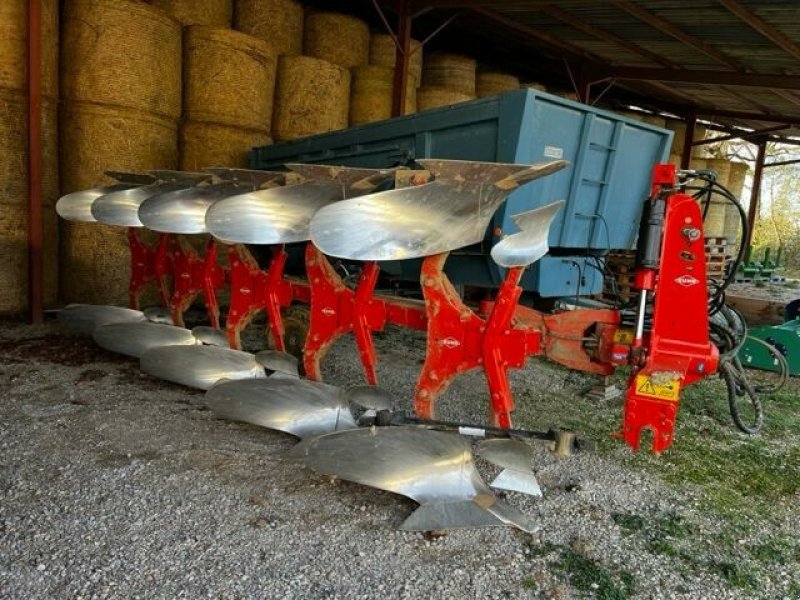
472, 431
553, 152
686, 280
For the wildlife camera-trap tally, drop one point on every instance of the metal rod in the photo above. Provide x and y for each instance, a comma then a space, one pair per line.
35, 227
688, 138
436, 31
782, 163
386, 23
752, 212
640, 316
401, 59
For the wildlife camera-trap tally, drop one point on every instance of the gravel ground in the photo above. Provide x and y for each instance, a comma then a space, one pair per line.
113, 484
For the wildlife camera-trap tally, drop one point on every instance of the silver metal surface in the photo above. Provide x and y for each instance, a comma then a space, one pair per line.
210, 336
300, 407
200, 366
158, 314
279, 362
136, 338
515, 458
433, 468
121, 207
450, 212
258, 179
87, 317
184, 210
529, 244
281, 215
77, 206
370, 397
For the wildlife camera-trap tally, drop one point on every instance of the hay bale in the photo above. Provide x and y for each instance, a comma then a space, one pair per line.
121, 53
311, 96
94, 258
216, 13
450, 71
382, 53
96, 138
534, 86
679, 130
736, 178
14, 266
371, 94
340, 39
14, 46
429, 97
14, 142
229, 78
490, 84
207, 144
278, 22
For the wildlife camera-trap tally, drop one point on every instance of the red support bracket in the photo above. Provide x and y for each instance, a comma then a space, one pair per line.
149, 265
459, 340
337, 310
254, 290
193, 275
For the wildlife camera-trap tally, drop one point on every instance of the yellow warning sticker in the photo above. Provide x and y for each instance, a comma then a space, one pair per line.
669, 390
623, 336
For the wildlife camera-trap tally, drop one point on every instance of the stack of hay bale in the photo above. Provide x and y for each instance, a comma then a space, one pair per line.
372, 88
121, 101
490, 83
446, 79
214, 13
14, 189
229, 81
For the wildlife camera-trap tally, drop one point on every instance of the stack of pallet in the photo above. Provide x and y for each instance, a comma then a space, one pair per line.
716, 257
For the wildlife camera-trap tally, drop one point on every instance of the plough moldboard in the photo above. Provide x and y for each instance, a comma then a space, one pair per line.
369, 216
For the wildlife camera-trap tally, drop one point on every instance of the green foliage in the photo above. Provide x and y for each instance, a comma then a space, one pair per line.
589, 576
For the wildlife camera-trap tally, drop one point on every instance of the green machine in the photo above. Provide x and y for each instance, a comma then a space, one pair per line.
784, 338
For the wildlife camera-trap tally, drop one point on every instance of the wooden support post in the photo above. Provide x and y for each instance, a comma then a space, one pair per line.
401, 58
35, 227
688, 138
752, 213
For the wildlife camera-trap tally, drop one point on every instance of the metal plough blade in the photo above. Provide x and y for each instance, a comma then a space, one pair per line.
530, 243
210, 336
450, 212
433, 468
199, 366
281, 215
77, 206
87, 317
300, 407
121, 207
136, 338
279, 363
158, 314
514, 457
371, 397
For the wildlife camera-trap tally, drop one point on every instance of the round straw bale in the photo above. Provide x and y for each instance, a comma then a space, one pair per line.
216, 13
435, 96
278, 22
96, 138
312, 96
714, 224
121, 53
382, 53
340, 39
722, 167
371, 91
14, 250
736, 177
679, 130
207, 145
229, 78
14, 45
14, 142
450, 71
490, 84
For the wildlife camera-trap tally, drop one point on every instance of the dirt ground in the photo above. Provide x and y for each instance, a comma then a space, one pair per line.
113, 484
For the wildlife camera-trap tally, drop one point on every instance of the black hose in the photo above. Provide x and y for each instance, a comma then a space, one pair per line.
738, 386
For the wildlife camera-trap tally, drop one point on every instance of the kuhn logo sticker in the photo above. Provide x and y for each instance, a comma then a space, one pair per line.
686, 280
328, 311
451, 342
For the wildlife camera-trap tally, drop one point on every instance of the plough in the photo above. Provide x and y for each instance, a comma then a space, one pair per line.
372, 216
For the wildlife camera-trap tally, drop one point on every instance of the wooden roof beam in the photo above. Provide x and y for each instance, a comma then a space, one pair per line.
762, 27
673, 31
